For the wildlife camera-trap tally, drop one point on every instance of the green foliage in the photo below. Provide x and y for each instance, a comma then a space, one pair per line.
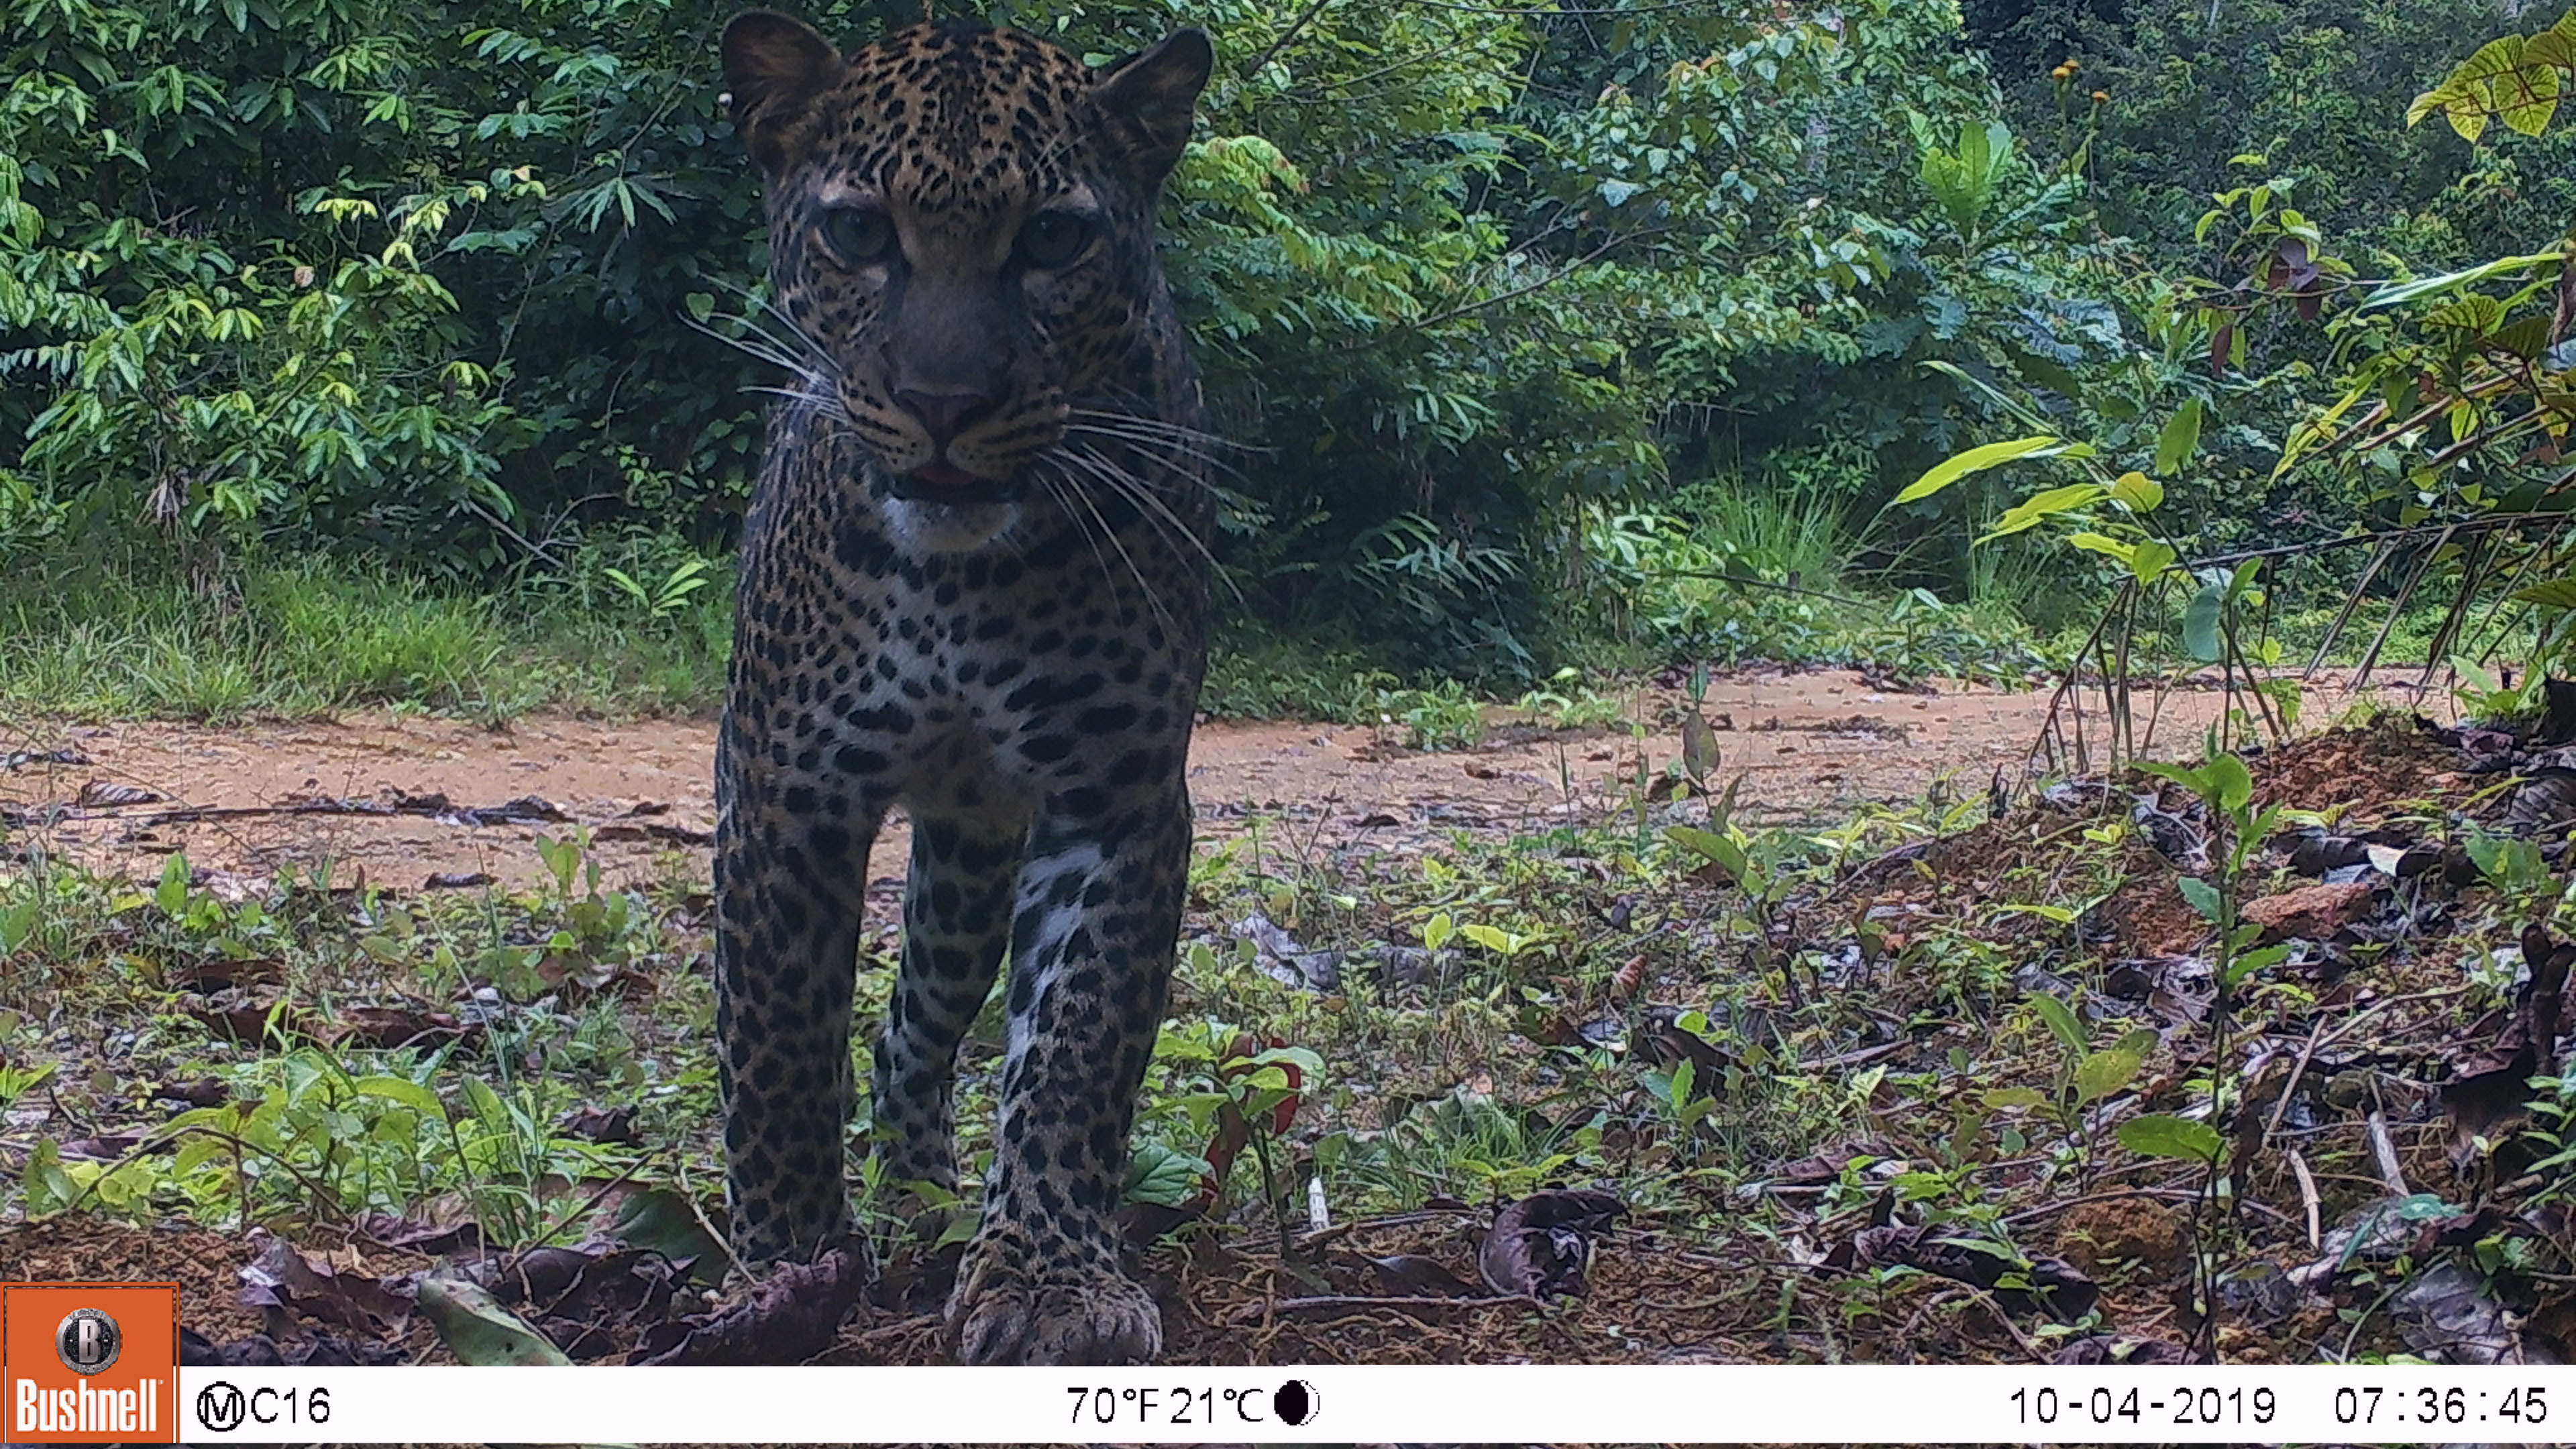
108, 638
418, 282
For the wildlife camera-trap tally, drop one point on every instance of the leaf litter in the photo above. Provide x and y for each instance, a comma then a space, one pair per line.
1914, 1164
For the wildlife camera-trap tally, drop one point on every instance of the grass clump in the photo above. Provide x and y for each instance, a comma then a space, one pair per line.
101, 639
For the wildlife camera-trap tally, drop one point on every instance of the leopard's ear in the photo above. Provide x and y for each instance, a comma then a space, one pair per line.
1149, 97
774, 66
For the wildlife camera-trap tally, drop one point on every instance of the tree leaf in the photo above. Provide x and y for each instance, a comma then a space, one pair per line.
1163, 1175
2161, 1135
479, 1331
2253, 961
2106, 1072
2179, 440
2200, 636
1976, 460
2558, 593
2230, 781
2030, 511
2107, 546
2183, 775
2150, 559
2202, 895
2405, 292
1725, 854
2061, 1020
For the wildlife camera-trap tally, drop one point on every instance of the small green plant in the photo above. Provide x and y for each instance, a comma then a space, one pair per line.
17, 1081
1684, 1100
1566, 704
2085, 1075
1236, 1092
2485, 699
2226, 790
1758, 864
667, 598
1443, 717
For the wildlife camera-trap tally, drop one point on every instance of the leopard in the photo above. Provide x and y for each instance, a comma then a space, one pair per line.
973, 587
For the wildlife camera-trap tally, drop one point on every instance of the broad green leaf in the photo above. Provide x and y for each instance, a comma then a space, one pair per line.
2200, 634
1163, 1175
2160, 1135
2104, 544
2138, 493
2527, 99
660, 1220
404, 1090
2106, 1072
2030, 511
2405, 292
1976, 460
479, 1331
2557, 593
1437, 931
2150, 559
2179, 440
2253, 961
2230, 781
2061, 1020
2242, 580
2202, 895
17, 923
1710, 846
171, 895
2004, 1099
2183, 775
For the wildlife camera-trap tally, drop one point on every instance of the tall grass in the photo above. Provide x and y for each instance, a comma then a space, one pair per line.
102, 638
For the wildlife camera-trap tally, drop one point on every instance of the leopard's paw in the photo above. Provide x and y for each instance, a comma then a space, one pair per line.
1013, 1306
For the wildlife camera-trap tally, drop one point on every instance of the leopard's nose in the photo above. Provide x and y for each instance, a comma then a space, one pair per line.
946, 414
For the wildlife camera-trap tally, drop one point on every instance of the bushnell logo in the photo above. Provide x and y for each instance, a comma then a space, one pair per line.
88, 1341
89, 1363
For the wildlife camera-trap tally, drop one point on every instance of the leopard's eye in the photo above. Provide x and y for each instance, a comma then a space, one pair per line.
1055, 238
861, 236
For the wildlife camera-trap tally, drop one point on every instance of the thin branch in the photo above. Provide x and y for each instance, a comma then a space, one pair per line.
1285, 36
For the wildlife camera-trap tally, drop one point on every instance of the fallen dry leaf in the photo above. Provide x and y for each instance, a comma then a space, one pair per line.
1541, 1246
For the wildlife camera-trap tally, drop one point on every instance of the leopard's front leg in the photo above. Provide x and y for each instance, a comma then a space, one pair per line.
1092, 947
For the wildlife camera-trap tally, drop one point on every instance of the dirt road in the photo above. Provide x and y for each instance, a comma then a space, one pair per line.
397, 796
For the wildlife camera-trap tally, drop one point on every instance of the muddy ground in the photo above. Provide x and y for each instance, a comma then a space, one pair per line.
408, 799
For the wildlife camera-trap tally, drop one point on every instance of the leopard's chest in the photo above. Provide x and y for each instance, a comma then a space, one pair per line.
927, 691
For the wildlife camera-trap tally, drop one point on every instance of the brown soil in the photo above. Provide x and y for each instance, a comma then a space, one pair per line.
1811, 745
2110, 1230
206, 1266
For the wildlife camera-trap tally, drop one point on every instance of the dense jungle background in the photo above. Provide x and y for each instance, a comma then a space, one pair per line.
359, 354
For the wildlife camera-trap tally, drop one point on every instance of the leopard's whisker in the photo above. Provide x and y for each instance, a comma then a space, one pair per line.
828, 404
794, 329
1165, 451
1160, 425
808, 362
1152, 507
1157, 511
1153, 598
1062, 502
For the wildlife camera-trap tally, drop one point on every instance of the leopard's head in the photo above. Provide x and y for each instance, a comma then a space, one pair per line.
961, 226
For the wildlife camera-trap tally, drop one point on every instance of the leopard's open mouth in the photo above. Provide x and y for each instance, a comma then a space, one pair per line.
945, 482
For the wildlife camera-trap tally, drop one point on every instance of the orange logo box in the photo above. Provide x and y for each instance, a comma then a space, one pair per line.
89, 1363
